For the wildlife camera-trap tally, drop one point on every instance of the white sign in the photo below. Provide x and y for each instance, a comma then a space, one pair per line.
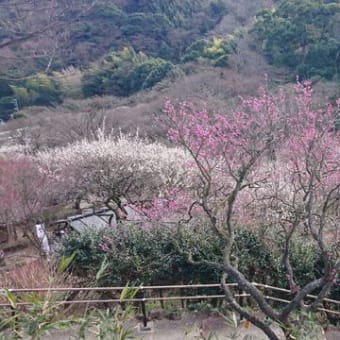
42, 236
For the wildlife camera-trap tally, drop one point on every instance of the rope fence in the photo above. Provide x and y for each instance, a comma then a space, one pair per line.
143, 299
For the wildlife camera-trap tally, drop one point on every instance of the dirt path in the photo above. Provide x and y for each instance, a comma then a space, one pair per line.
190, 327
198, 328
193, 327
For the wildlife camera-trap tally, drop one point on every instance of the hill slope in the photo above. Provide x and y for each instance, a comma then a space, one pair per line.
61, 54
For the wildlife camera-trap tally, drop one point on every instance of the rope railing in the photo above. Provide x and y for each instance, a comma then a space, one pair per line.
166, 287
337, 302
65, 289
158, 288
146, 299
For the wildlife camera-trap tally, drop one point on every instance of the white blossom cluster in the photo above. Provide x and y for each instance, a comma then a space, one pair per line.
120, 166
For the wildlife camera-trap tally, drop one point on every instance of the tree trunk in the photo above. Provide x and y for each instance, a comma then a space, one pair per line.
239, 309
252, 318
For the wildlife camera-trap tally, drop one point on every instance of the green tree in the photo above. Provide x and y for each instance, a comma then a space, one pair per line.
125, 72
303, 35
6, 101
44, 90
215, 51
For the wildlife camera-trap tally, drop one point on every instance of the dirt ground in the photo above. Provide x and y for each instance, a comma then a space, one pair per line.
196, 327
190, 327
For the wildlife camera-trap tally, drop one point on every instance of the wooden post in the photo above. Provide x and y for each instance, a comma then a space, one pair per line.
161, 296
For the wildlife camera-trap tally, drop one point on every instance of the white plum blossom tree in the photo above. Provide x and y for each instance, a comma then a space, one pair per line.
113, 170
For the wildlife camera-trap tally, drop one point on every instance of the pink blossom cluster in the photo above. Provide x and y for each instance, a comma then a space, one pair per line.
272, 153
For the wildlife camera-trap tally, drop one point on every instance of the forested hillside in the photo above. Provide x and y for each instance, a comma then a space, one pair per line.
81, 31
54, 55
302, 35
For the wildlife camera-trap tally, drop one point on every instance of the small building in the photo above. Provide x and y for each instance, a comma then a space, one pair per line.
95, 220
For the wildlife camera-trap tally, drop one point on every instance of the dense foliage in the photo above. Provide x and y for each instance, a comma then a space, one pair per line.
123, 73
133, 254
216, 51
38, 90
303, 35
76, 32
161, 29
159, 255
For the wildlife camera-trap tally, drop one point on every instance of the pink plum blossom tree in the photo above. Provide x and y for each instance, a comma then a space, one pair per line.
274, 162
25, 193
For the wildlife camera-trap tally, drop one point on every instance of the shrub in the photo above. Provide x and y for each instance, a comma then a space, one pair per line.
215, 51
148, 74
133, 254
22, 95
38, 90
5, 89
160, 256
7, 107
33, 275
43, 314
256, 260
42, 90
123, 73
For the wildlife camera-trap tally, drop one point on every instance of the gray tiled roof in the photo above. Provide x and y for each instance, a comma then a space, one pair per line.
96, 222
